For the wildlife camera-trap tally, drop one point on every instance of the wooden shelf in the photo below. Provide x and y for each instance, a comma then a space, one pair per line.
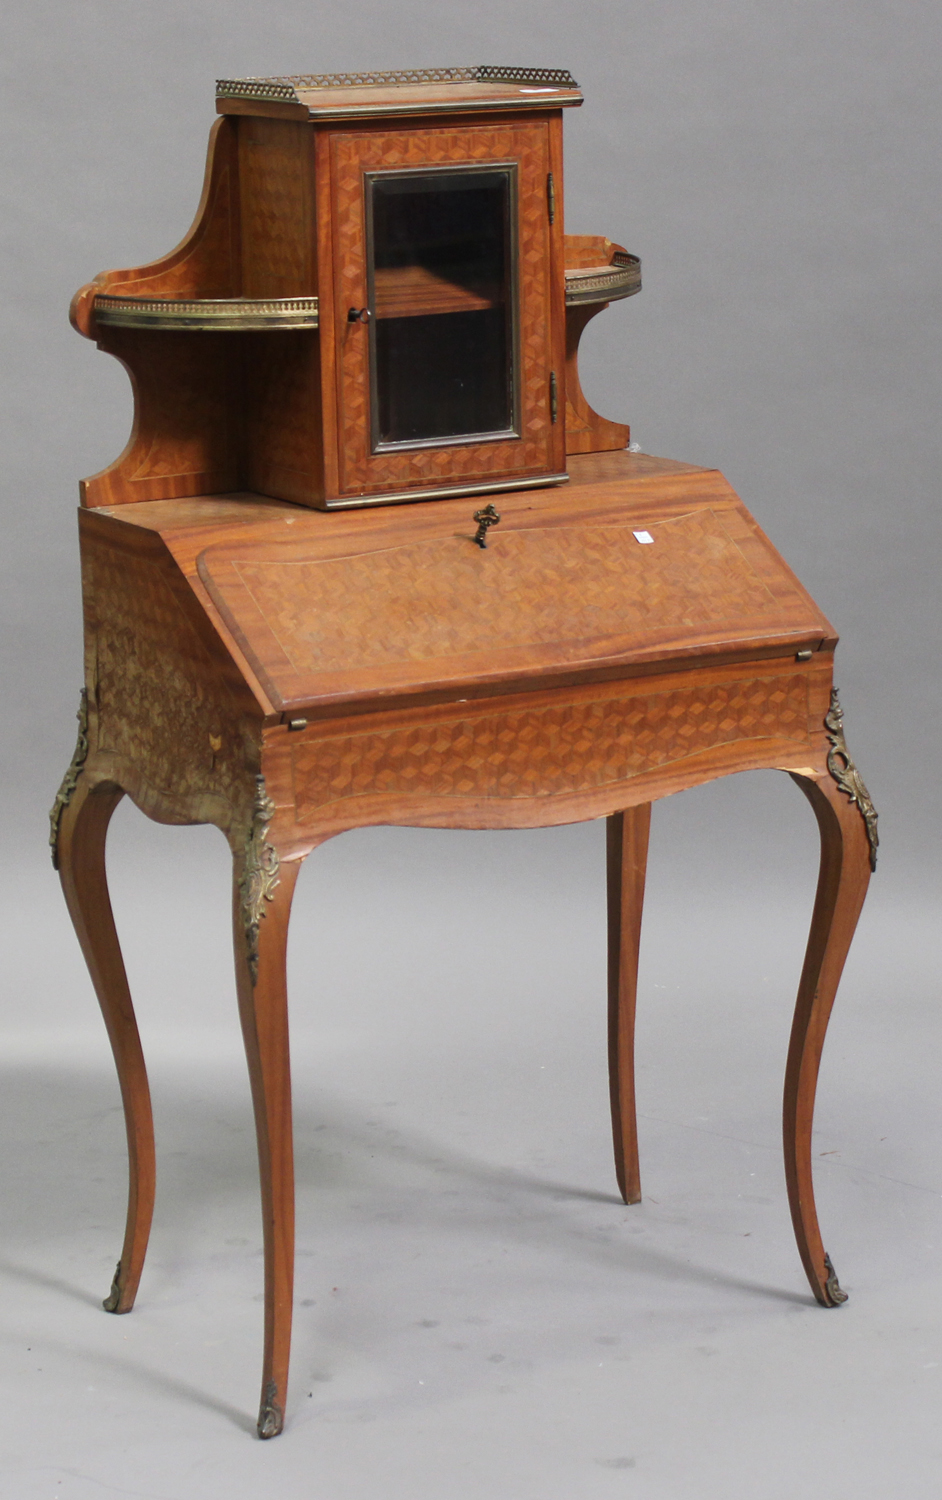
207, 314
415, 291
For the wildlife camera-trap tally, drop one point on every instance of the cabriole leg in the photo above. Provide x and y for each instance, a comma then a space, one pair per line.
262, 908
80, 829
846, 855
626, 859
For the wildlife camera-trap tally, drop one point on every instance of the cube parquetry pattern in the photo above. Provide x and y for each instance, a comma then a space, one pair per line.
549, 750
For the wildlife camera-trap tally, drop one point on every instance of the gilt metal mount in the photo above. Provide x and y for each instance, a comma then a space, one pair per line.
70, 779
832, 1286
271, 1418
110, 1303
845, 773
259, 874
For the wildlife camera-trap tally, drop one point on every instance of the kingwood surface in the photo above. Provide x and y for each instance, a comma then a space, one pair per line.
842, 886
415, 292
81, 858
263, 1010
439, 609
530, 579
626, 851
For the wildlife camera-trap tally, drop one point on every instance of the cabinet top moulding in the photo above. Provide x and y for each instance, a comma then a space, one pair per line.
327, 96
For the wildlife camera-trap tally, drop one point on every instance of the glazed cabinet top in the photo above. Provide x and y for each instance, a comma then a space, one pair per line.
376, 301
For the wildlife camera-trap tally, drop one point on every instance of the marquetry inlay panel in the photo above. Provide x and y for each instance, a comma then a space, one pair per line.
529, 587
314, 625
276, 211
550, 750
159, 698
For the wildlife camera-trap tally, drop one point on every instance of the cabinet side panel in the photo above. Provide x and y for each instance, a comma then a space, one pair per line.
327, 332
206, 261
586, 431
169, 717
186, 434
284, 447
276, 204
283, 416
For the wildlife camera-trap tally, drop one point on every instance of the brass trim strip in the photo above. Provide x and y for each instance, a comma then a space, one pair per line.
604, 284
282, 90
449, 492
207, 314
243, 314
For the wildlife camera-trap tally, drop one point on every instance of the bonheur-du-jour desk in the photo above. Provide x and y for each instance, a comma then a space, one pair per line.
284, 670
287, 675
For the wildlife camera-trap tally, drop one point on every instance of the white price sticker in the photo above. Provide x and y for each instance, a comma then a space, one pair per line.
643, 536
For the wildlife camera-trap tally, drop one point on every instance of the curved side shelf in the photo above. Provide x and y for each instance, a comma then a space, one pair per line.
597, 272
589, 284
206, 314
584, 285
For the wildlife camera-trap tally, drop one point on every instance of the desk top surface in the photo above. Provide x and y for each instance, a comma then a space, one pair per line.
635, 563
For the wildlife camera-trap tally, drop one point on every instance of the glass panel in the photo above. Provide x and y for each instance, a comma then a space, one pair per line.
441, 298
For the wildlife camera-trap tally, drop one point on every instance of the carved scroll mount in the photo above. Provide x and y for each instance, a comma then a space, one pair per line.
259, 874
70, 779
845, 773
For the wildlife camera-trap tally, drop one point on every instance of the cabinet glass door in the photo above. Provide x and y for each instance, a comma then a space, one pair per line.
441, 289
442, 302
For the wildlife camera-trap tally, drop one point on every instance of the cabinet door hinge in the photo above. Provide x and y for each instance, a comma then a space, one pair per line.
554, 399
551, 197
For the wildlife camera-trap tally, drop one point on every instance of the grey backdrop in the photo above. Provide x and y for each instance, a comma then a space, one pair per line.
776, 167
